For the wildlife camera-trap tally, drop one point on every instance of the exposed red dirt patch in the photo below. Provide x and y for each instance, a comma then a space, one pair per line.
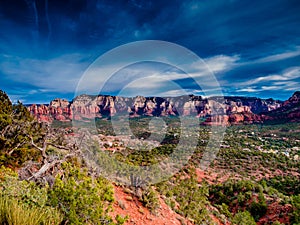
214, 177
126, 204
276, 212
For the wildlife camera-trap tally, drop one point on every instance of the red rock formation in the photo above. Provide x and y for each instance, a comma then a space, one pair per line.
216, 110
289, 111
58, 109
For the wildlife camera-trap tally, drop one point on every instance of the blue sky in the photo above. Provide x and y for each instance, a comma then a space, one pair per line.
252, 47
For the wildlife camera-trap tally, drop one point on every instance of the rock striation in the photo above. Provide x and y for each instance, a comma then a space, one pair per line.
215, 110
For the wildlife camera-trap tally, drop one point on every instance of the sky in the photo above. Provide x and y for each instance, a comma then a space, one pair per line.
50, 48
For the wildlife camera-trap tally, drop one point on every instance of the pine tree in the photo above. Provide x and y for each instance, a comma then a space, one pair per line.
5, 110
16, 126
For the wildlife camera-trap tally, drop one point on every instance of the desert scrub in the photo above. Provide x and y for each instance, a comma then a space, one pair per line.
24, 203
243, 218
14, 212
296, 209
81, 198
27, 193
150, 199
75, 198
17, 125
191, 198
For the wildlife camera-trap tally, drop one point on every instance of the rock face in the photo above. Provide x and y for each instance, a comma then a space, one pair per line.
216, 110
288, 112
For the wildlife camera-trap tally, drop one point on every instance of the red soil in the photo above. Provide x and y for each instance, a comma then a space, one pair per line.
276, 212
139, 215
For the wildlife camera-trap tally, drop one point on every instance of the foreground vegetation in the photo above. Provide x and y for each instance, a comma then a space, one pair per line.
69, 194
44, 178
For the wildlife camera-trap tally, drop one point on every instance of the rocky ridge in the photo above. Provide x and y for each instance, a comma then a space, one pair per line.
215, 110
288, 112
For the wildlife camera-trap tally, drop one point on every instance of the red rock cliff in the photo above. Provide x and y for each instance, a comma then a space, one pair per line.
217, 110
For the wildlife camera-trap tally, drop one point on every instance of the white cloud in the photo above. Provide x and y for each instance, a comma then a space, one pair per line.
221, 63
286, 75
286, 81
249, 89
59, 74
280, 56
63, 74
153, 78
270, 88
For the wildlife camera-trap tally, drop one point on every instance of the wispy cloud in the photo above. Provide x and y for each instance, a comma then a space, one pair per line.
288, 74
288, 80
279, 56
247, 46
64, 73
59, 74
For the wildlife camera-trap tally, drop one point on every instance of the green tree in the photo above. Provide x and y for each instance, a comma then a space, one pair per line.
5, 110
16, 126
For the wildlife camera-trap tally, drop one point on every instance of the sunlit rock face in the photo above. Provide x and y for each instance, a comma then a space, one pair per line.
214, 110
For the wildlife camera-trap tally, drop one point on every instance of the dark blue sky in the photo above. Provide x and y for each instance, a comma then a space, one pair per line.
253, 47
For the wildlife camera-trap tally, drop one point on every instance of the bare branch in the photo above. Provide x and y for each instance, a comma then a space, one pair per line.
18, 145
58, 146
43, 169
43, 150
3, 132
49, 165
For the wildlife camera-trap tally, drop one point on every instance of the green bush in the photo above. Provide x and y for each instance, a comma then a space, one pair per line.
24, 203
29, 193
243, 218
277, 223
190, 196
82, 199
5, 110
14, 212
150, 199
224, 209
296, 209
258, 209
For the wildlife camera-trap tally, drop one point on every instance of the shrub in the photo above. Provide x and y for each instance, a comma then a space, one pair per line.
81, 198
150, 199
277, 223
5, 110
243, 218
258, 209
16, 124
29, 193
224, 209
24, 203
14, 212
296, 209
191, 198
